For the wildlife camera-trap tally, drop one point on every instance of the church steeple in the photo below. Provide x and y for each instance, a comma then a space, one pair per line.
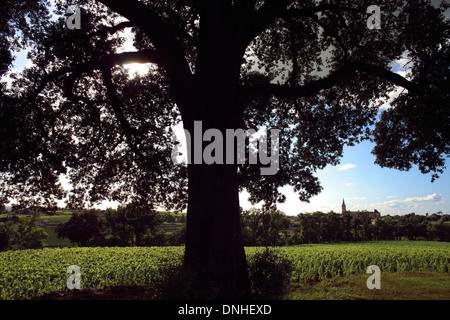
344, 209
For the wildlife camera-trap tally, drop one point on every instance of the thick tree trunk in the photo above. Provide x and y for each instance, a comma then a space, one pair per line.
214, 248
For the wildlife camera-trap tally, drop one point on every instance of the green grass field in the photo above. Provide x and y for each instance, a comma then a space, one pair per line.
337, 271
170, 227
49, 224
394, 286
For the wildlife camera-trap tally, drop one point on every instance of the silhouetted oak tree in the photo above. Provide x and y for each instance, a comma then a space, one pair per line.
311, 68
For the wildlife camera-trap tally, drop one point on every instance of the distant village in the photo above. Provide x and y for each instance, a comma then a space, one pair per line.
373, 214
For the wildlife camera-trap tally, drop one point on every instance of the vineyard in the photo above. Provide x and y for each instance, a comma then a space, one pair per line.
320, 261
28, 273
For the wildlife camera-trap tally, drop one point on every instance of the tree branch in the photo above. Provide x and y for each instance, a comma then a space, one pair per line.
293, 47
152, 25
333, 34
272, 9
143, 56
111, 30
114, 99
333, 79
103, 31
258, 21
172, 55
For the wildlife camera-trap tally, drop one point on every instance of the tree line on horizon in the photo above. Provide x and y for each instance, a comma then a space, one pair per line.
274, 228
133, 226
128, 225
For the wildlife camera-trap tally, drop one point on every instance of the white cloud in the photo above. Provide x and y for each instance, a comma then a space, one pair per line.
409, 204
431, 197
347, 166
350, 184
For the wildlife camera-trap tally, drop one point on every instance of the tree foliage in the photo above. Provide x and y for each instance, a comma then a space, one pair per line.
21, 233
84, 229
128, 225
310, 68
264, 227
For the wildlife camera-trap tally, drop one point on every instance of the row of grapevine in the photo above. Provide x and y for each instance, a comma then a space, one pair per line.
324, 261
28, 273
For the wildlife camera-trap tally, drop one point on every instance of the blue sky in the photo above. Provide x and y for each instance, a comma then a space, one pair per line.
366, 186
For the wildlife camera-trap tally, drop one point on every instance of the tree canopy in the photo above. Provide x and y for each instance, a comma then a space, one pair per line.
311, 68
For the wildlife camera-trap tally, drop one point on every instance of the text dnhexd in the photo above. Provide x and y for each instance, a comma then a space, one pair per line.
226, 309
